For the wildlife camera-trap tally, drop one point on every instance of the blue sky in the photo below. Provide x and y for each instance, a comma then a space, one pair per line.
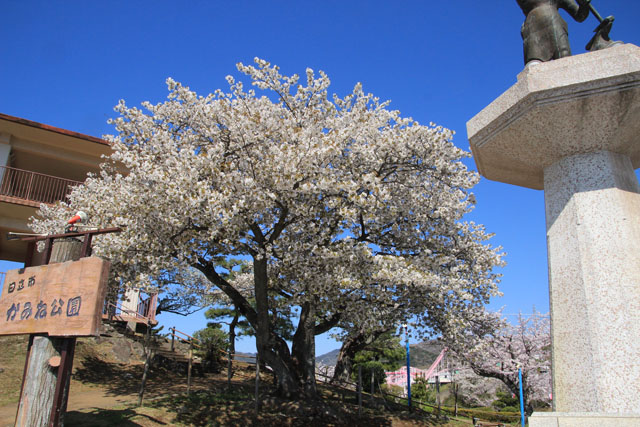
67, 63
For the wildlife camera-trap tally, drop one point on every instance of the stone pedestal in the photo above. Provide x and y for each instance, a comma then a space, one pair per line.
572, 128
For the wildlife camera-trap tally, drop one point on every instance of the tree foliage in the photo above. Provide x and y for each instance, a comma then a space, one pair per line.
421, 390
184, 291
213, 343
384, 354
343, 208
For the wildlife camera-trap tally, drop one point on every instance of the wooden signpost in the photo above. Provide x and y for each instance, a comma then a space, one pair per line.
64, 299
54, 304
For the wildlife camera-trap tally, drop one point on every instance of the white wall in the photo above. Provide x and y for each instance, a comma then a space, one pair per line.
5, 150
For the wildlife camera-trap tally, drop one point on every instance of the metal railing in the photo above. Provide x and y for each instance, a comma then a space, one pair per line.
33, 186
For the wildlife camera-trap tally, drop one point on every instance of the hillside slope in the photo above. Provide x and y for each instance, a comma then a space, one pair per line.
106, 380
422, 355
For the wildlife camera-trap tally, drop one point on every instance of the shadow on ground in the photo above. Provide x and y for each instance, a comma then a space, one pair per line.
110, 417
238, 408
119, 379
211, 402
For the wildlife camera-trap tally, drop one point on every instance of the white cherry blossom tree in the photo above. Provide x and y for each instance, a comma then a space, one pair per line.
501, 349
344, 209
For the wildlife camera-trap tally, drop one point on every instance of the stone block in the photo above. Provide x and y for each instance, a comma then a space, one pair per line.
583, 419
569, 106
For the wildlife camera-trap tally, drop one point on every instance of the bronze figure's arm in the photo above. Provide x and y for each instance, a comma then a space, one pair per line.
579, 11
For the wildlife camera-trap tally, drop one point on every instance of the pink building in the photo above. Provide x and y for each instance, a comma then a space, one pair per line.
399, 377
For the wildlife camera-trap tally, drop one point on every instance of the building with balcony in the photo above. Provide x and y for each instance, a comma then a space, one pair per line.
40, 164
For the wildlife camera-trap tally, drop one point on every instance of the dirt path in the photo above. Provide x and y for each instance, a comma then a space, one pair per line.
92, 393
80, 398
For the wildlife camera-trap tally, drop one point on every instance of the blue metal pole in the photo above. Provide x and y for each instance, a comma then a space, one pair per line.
408, 370
521, 396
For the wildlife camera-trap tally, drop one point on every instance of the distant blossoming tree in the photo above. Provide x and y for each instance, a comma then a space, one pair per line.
344, 209
525, 345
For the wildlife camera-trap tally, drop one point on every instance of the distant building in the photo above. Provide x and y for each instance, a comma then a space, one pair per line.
40, 164
399, 377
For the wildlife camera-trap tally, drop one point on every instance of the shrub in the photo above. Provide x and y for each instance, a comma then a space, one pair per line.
213, 342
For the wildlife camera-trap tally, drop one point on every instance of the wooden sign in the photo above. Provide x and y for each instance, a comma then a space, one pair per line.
64, 299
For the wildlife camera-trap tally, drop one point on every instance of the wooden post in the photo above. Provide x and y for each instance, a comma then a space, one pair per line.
257, 384
372, 389
359, 389
153, 304
438, 392
147, 363
455, 394
384, 399
229, 368
190, 364
173, 338
45, 385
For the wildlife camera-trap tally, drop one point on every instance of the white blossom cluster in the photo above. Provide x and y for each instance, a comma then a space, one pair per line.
507, 348
355, 208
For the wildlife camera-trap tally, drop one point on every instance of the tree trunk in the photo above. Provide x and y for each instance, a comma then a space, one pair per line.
232, 346
304, 350
271, 348
232, 331
352, 344
39, 384
511, 381
147, 364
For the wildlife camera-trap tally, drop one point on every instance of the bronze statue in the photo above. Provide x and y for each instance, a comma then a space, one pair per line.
600, 39
544, 32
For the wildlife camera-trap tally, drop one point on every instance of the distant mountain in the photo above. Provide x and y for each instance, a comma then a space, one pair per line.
425, 353
328, 359
422, 354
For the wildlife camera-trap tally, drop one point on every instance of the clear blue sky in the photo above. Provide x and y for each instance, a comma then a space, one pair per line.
67, 63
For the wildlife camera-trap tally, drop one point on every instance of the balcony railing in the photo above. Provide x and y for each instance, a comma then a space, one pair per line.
21, 185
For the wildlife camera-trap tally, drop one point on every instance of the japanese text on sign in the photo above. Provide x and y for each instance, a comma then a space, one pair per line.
73, 309
64, 299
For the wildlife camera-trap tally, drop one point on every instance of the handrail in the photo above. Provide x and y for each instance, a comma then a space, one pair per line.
183, 333
33, 186
191, 340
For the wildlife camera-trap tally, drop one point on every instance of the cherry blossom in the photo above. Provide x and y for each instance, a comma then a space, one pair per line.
346, 211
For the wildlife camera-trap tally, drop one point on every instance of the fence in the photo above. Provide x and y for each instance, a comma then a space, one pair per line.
33, 186
384, 397
379, 394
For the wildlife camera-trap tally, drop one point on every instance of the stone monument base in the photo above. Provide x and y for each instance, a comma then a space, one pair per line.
572, 127
583, 419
